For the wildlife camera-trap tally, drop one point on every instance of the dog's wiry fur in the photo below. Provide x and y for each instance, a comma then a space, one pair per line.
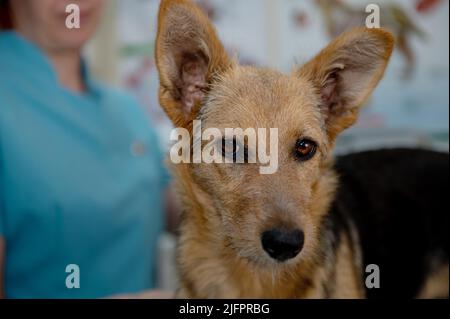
228, 206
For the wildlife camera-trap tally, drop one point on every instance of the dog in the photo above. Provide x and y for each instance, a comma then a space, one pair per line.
313, 228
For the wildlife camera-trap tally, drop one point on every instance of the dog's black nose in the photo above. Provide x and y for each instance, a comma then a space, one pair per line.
282, 245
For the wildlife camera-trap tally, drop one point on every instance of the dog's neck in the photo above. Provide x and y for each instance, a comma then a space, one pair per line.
205, 273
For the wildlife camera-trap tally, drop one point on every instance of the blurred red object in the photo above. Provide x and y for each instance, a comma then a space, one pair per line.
426, 5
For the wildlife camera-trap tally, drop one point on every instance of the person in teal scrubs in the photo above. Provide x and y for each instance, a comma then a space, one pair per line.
82, 179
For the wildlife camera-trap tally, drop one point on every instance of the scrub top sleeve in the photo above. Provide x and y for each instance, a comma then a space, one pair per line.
159, 156
165, 177
1, 217
2, 203
2, 230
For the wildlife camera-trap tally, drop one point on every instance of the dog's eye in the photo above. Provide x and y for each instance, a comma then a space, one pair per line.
232, 150
229, 148
305, 149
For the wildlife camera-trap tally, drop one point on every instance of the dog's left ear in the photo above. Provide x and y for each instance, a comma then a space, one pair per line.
346, 73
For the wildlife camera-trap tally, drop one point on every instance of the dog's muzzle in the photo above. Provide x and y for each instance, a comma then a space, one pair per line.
282, 245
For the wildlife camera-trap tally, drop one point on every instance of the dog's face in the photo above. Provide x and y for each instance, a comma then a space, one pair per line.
266, 218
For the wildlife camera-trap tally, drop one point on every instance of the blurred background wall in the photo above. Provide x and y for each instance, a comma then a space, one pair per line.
409, 108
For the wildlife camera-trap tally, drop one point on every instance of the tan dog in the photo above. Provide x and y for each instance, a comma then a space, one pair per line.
248, 235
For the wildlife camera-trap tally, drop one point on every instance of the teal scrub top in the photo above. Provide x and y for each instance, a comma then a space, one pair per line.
81, 183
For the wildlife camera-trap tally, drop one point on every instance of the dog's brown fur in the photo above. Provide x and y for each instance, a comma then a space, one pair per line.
226, 207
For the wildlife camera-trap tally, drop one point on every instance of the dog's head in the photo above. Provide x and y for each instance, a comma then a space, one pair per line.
265, 218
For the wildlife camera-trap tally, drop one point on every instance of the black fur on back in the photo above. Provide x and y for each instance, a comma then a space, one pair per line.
398, 200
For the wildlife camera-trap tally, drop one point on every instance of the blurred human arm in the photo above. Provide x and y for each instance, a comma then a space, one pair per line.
172, 210
148, 294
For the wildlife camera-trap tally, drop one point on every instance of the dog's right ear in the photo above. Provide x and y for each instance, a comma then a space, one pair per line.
345, 74
188, 56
